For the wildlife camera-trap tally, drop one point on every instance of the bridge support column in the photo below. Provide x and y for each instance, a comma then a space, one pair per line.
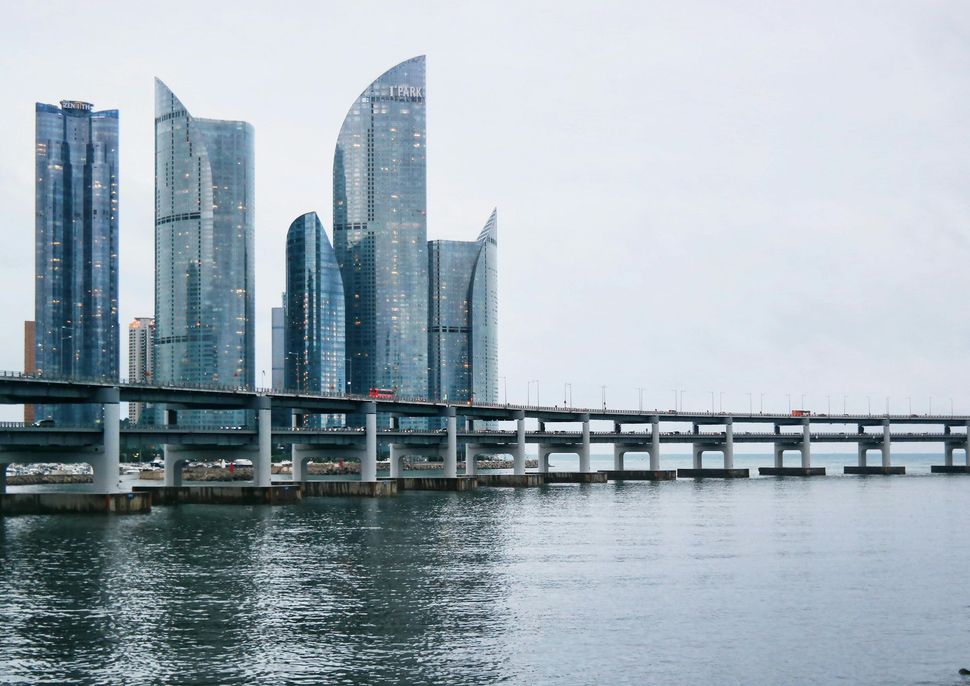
471, 468
698, 451
173, 466
368, 461
544, 452
863, 454
394, 461
966, 446
729, 444
106, 465
519, 457
779, 456
806, 445
584, 448
655, 444
299, 458
263, 459
886, 459
618, 452
451, 449
948, 454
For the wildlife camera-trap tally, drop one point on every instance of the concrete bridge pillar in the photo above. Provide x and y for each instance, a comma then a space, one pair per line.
368, 461
584, 448
173, 466
451, 448
886, 462
544, 452
299, 458
106, 465
471, 469
618, 452
966, 446
779, 455
263, 459
519, 457
806, 444
729, 444
655, 444
698, 455
394, 460
948, 454
863, 453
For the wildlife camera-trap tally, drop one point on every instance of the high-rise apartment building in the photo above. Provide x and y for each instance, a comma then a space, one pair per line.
380, 233
463, 330
141, 360
314, 341
204, 251
76, 249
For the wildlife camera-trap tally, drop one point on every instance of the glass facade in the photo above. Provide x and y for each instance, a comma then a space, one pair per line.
450, 264
463, 331
314, 338
380, 233
483, 336
204, 245
76, 249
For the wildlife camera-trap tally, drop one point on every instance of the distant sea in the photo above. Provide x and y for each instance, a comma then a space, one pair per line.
842, 579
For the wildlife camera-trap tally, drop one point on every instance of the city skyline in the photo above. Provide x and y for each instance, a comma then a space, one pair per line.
827, 291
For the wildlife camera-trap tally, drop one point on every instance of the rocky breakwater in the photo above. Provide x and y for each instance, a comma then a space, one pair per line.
47, 479
313, 469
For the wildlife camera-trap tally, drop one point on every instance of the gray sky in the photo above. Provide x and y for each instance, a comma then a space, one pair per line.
738, 197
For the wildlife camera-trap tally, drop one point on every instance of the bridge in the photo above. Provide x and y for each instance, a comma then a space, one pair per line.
633, 431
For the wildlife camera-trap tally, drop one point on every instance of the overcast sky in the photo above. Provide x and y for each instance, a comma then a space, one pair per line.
708, 196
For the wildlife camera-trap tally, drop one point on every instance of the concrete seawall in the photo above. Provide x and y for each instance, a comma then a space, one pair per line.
222, 495
529, 480
370, 489
74, 503
422, 483
574, 477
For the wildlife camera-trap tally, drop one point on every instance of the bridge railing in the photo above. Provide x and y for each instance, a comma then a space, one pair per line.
253, 389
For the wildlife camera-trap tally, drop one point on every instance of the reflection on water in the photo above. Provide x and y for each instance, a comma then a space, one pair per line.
763, 581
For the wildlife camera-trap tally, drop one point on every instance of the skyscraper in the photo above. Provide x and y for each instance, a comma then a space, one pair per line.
281, 416
380, 233
278, 350
204, 245
315, 360
30, 364
463, 331
141, 357
76, 248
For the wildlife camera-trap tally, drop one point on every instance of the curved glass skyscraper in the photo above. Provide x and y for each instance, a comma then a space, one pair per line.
380, 233
76, 248
463, 336
483, 336
204, 234
314, 361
